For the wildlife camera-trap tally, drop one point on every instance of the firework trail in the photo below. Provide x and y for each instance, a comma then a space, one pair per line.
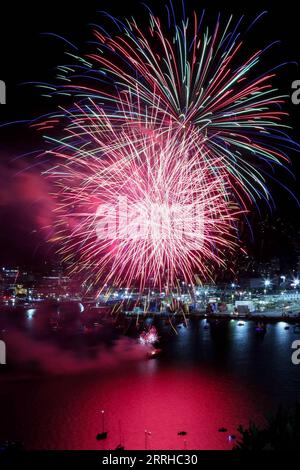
196, 81
164, 148
136, 206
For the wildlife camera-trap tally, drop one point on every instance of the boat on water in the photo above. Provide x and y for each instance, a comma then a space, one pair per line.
154, 353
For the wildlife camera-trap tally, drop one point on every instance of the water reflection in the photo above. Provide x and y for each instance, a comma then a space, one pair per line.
210, 374
30, 313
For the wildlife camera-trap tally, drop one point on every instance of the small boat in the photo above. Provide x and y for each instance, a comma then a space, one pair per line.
154, 353
101, 436
222, 430
120, 447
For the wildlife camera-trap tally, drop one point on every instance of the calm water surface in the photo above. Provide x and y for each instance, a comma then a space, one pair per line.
206, 378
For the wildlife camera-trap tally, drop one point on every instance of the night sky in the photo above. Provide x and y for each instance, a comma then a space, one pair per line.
28, 55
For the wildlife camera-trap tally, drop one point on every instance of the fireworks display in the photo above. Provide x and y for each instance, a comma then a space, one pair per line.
136, 206
149, 337
163, 149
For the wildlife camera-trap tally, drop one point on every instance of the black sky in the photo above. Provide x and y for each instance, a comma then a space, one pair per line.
27, 55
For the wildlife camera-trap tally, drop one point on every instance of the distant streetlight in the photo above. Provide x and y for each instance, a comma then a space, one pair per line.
267, 284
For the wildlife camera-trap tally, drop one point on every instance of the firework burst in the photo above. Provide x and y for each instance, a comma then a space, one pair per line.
138, 206
196, 80
163, 150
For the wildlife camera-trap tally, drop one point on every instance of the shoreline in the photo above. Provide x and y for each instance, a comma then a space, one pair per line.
221, 316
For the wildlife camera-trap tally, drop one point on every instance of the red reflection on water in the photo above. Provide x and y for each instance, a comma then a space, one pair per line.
65, 413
